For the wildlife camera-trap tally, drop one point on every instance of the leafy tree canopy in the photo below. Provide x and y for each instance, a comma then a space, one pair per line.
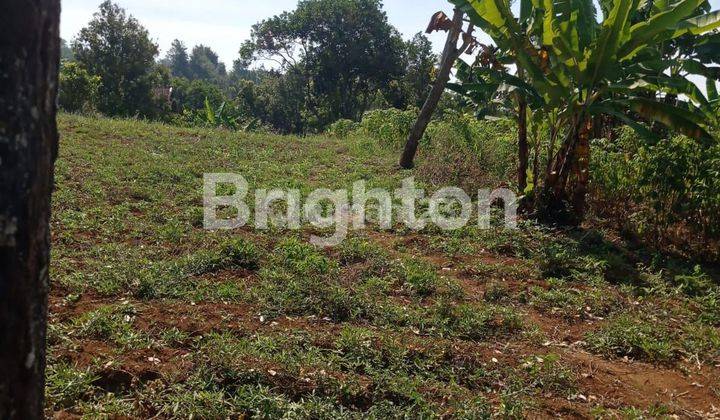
177, 59
205, 64
117, 48
345, 49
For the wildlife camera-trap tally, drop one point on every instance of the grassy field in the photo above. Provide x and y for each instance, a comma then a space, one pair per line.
151, 315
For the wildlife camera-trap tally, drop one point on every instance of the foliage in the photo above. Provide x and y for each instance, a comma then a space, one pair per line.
470, 153
66, 53
576, 69
680, 180
227, 116
190, 95
416, 83
177, 59
281, 103
341, 52
342, 128
78, 89
390, 127
205, 64
118, 49
459, 149
660, 189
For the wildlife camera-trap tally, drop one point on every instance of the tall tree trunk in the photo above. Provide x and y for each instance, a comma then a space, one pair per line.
523, 150
29, 57
450, 54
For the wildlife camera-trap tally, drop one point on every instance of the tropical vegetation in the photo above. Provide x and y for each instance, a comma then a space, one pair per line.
577, 69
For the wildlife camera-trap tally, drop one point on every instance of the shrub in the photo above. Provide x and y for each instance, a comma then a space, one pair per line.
419, 277
342, 128
78, 88
472, 322
67, 384
300, 280
389, 126
668, 192
469, 153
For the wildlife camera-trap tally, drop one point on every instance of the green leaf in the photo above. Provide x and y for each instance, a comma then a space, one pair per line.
530, 93
209, 113
601, 108
525, 11
712, 90
497, 20
675, 85
696, 67
642, 33
675, 118
694, 26
612, 35
699, 24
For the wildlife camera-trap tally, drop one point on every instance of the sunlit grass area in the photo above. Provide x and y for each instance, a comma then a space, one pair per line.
151, 315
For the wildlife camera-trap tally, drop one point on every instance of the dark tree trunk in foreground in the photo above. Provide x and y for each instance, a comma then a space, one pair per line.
450, 54
29, 57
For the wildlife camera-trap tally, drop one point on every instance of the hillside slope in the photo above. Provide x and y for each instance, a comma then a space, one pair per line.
151, 315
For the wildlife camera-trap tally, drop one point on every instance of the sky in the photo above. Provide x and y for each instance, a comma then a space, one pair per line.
224, 24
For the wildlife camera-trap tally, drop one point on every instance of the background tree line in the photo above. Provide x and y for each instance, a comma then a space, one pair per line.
327, 60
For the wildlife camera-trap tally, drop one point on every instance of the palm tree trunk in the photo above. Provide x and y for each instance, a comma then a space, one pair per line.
29, 60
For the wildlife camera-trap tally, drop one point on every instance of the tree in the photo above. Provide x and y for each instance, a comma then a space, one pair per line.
240, 72
420, 64
78, 88
177, 59
191, 95
344, 51
577, 69
450, 54
66, 53
29, 58
117, 48
205, 64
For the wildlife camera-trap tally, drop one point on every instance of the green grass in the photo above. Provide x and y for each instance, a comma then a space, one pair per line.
151, 315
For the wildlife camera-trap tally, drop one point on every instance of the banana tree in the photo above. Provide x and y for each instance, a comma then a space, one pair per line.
483, 85
577, 67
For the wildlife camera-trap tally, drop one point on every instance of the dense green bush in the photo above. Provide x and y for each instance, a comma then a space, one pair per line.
342, 128
191, 95
669, 190
78, 88
389, 126
463, 151
457, 149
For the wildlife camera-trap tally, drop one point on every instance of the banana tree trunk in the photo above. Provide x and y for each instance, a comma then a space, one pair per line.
523, 149
581, 169
567, 179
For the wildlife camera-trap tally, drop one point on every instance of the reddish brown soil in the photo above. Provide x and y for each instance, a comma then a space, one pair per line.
691, 391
